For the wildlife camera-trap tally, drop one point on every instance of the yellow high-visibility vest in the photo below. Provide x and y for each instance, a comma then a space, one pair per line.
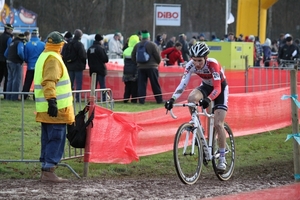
63, 86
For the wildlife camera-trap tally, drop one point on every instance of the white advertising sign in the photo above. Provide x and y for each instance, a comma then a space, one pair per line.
168, 15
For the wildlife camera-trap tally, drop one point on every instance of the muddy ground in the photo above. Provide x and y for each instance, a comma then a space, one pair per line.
151, 187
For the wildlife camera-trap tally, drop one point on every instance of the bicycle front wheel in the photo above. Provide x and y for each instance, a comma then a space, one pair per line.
229, 154
187, 155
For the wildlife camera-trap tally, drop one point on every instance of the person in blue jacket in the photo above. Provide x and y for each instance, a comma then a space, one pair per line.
5, 40
32, 51
15, 58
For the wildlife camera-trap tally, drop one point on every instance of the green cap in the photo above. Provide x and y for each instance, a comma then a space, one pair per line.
55, 38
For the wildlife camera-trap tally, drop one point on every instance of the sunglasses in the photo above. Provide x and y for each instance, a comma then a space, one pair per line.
198, 60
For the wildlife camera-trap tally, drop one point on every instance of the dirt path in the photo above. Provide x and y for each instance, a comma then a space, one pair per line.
153, 188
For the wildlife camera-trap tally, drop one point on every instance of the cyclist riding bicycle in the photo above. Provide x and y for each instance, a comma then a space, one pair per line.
212, 88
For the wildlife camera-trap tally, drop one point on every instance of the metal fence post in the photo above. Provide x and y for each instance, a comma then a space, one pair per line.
246, 73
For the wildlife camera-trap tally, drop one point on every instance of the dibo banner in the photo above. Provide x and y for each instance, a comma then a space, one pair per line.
168, 14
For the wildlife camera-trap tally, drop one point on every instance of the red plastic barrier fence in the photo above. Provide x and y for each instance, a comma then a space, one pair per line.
112, 139
120, 137
239, 81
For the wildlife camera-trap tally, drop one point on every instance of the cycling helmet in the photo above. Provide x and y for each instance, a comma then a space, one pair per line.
199, 49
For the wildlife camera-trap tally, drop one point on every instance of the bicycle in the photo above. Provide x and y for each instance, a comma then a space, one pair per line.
191, 150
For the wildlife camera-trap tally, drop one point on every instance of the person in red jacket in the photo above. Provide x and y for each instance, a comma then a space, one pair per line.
172, 55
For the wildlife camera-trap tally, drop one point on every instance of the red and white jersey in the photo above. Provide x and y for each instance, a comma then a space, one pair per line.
211, 74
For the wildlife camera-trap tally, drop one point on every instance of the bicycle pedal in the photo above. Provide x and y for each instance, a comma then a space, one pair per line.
221, 171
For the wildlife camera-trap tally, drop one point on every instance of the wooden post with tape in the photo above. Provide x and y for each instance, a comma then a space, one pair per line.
295, 124
92, 105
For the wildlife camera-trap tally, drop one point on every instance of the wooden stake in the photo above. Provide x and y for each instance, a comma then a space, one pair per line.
295, 124
92, 104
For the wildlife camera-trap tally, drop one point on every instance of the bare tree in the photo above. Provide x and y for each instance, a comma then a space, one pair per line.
130, 16
123, 14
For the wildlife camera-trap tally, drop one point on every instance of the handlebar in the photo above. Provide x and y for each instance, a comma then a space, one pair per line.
204, 111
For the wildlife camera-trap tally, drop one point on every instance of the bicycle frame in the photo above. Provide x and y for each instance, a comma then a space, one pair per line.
207, 146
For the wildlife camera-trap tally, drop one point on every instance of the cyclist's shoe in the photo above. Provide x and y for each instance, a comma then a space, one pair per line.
221, 167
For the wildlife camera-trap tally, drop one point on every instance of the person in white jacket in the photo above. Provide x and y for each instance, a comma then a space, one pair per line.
115, 47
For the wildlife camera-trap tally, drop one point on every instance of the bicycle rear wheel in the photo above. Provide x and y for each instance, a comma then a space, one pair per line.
188, 164
229, 154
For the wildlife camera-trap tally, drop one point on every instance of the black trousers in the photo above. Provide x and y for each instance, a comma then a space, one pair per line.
28, 82
3, 74
143, 75
131, 89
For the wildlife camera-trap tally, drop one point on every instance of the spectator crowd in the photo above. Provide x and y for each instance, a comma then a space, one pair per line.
17, 49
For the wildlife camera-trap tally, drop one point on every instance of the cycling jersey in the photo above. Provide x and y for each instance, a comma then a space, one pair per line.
212, 74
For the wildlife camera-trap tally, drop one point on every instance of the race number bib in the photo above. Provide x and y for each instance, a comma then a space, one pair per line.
216, 76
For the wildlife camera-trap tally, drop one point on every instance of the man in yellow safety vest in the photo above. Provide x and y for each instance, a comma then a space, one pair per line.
54, 104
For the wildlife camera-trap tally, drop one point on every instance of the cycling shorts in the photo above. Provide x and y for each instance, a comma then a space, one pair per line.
221, 101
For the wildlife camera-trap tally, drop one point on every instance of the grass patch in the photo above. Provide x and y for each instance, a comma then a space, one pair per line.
251, 151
